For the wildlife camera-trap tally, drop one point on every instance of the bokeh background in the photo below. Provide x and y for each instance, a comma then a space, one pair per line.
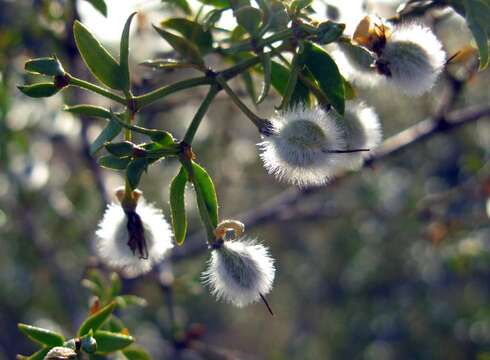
391, 263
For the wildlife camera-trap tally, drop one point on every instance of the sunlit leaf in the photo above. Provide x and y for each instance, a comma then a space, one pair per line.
45, 66
102, 65
192, 31
124, 53
177, 206
181, 4
111, 130
203, 181
134, 171
221, 4
108, 342
183, 46
265, 59
279, 80
99, 5
42, 336
136, 353
39, 90
326, 72
89, 110
93, 322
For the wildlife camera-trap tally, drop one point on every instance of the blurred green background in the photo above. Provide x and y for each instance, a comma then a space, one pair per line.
391, 263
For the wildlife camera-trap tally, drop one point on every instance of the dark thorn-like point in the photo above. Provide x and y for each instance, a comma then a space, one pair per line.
136, 231
266, 304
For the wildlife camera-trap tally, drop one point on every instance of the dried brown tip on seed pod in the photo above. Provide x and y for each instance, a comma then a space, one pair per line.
121, 191
371, 34
226, 225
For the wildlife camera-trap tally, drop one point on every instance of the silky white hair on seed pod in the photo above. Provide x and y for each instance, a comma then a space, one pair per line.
298, 150
240, 272
362, 130
354, 67
112, 238
414, 58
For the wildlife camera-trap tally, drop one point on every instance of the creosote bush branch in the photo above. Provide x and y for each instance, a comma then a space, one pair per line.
320, 132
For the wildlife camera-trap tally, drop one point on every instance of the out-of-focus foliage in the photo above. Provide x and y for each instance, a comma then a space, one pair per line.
392, 263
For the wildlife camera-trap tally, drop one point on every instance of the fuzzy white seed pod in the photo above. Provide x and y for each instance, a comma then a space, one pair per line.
298, 150
356, 65
240, 272
113, 236
362, 131
412, 59
61, 353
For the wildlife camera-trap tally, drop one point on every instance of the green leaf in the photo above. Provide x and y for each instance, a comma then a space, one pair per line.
99, 5
249, 18
120, 149
113, 162
42, 336
183, 46
211, 18
328, 32
116, 285
325, 71
126, 300
265, 59
478, 18
206, 187
162, 138
135, 170
249, 85
298, 5
279, 80
181, 4
350, 92
115, 324
44, 66
124, 54
177, 205
89, 110
108, 342
112, 129
102, 65
220, 4
166, 64
192, 31
136, 353
93, 288
39, 90
94, 321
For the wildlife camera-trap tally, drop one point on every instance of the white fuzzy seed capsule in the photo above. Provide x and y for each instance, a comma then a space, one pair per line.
362, 131
356, 65
412, 59
298, 150
61, 353
112, 238
240, 272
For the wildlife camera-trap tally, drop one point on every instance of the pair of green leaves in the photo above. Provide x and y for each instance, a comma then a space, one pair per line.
107, 341
205, 192
48, 66
100, 62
